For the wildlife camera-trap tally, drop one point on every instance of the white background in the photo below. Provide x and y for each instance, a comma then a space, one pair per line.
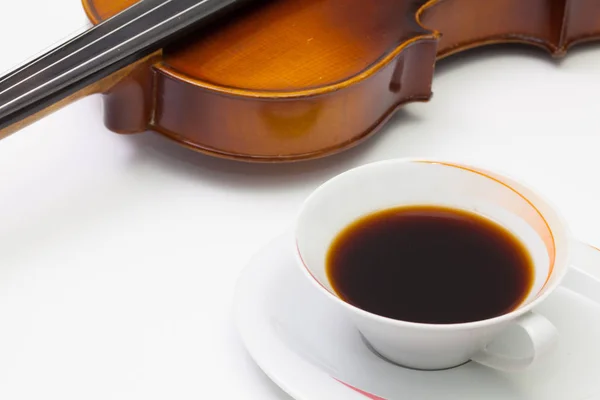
119, 255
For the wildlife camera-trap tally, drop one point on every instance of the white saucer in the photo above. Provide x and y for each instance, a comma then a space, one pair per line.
312, 352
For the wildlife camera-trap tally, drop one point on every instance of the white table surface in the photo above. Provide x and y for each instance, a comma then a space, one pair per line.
119, 255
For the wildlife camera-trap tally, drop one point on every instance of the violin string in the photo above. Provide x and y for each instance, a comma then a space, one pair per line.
73, 53
42, 54
138, 37
70, 40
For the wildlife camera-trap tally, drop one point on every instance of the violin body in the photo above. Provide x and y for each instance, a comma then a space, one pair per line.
290, 80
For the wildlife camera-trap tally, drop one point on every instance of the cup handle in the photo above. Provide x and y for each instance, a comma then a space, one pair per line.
542, 334
583, 276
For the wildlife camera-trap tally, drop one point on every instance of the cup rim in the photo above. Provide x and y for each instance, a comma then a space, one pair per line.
479, 168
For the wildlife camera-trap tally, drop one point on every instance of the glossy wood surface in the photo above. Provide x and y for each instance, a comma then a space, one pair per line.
292, 80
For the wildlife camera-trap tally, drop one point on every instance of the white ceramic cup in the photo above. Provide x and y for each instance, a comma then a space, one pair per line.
381, 185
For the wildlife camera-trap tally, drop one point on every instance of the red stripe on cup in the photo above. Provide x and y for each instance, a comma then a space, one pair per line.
308, 269
534, 218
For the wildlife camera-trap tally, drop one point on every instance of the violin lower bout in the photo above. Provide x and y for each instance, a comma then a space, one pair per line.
266, 128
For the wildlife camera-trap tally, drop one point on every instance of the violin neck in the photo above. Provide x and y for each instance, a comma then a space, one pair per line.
95, 59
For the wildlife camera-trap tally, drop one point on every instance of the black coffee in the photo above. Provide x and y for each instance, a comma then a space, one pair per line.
430, 264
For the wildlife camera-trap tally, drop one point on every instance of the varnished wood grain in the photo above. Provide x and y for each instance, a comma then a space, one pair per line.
290, 45
292, 80
287, 80
582, 21
466, 23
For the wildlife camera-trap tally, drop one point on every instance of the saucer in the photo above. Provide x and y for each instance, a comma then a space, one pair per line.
312, 351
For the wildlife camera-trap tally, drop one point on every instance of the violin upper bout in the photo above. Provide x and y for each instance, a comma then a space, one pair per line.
581, 22
553, 25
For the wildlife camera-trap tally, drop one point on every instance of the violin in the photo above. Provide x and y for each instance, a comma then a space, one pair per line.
273, 80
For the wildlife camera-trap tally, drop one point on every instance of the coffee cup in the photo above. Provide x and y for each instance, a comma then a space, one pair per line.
406, 182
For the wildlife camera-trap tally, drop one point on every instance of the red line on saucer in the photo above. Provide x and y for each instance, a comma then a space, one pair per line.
366, 394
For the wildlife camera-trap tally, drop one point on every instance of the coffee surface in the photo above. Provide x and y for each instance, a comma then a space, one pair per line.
430, 264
